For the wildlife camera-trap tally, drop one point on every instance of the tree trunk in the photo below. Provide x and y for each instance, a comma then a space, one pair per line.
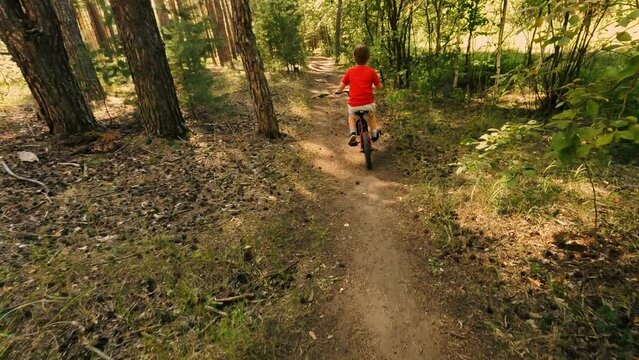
31, 31
85, 27
228, 21
438, 29
338, 30
500, 43
254, 69
161, 13
77, 52
216, 12
145, 54
98, 27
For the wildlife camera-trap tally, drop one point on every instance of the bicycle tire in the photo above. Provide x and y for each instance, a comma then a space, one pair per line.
367, 147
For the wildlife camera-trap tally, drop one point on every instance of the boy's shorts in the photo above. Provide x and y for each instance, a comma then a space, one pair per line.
369, 107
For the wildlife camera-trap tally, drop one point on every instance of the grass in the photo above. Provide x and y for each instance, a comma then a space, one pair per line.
142, 293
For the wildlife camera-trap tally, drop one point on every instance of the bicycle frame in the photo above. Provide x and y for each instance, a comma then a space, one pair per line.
364, 137
362, 129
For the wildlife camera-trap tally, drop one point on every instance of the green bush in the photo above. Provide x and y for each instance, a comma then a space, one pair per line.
187, 48
278, 29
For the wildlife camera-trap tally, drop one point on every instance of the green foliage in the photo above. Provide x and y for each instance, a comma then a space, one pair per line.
506, 135
278, 23
112, 70
187, 48
520, 191
592, 122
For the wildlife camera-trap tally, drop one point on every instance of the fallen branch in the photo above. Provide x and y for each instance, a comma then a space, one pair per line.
35, 207
69, 164
118, 150
6, 168
97, 351
235, 298
217, 311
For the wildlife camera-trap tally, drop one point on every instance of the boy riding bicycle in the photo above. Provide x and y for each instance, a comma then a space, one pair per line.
361, 79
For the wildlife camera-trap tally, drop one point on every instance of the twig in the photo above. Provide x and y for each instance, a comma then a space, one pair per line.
106, 107
98, 352
217, 311
235, 298
6, 168
456, 335
287, 268
69, 164
594, 194
35, 207
150, 152
118, 150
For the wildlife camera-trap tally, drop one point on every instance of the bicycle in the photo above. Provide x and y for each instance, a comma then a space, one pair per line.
365, 140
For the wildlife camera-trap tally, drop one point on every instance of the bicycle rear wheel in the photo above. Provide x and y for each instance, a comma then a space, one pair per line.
368, 149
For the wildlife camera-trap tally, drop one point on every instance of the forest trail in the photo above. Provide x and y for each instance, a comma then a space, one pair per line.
379, 312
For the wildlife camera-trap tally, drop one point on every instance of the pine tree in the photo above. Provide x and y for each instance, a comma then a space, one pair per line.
149, 67
187, 47
254, 69
31, 31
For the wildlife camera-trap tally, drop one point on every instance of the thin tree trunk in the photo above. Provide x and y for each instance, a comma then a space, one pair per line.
31, 31
149, 68
216, 12
98, 27
228, 22
338, 30
254, 69
77, 52
106, 14
160, 13
85, 28
500, 43
456, 61
438, 29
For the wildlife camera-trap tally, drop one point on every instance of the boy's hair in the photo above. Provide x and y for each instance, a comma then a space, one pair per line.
361, 54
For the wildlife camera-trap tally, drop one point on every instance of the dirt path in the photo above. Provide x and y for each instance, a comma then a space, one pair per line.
379, 313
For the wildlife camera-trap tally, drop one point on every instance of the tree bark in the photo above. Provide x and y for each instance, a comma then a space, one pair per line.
85, 27
228, 23
438, 29
500, 43
31, 31
216, 12
161, 13
254, 69
145, 54
338, 30
78, 52
98, 27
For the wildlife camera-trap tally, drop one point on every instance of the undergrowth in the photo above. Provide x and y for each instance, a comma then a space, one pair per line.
513, 230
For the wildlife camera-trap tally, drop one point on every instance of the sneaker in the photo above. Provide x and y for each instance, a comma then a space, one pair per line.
352, 140
375, 135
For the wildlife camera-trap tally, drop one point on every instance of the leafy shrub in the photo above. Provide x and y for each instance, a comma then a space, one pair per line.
187, 48
278, 23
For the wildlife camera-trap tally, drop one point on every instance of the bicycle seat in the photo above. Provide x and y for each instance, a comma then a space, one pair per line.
361, 112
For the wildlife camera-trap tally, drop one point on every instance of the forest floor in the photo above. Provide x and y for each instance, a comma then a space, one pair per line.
231, 246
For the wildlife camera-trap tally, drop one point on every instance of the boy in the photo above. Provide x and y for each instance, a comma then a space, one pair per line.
361, 79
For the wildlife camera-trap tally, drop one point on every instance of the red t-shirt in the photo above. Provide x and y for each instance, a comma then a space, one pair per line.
361, 79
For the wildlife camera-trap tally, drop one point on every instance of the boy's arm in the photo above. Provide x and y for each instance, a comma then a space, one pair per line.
377, 82
340, 88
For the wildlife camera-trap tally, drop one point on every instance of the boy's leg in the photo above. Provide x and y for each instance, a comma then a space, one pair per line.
352, 125
372, 123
